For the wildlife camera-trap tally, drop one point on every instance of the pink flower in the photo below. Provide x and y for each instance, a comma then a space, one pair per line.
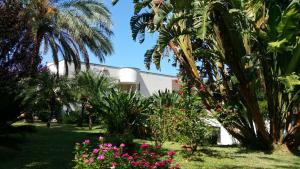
144, 145
134, 163
160, 164
96, 151
152, 155
114, 164
115, 148
91, 160
116, 155
86, 142
101, 157
125, 155
84, 155
122, 145
171, 153
129, 158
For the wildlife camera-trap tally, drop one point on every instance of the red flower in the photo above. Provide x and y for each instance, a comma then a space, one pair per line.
171, 153
144, 145
202, 88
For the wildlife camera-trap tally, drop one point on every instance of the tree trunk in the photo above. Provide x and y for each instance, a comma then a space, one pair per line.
231, 41
80, 123
90, 122
52, 110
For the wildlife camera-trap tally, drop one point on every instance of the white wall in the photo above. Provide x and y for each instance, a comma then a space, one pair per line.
149, 82
225, 137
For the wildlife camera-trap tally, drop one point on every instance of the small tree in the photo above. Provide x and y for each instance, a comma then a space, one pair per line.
89, 88
48, 91
193, 127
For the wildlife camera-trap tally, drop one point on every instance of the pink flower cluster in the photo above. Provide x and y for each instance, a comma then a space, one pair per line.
106, 155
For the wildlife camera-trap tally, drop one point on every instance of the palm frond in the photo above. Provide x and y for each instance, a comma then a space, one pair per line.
138, 25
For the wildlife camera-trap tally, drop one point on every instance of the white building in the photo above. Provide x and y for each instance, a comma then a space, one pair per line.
128, 78
145, 82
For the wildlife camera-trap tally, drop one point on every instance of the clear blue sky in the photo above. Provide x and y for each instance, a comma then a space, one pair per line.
128, 53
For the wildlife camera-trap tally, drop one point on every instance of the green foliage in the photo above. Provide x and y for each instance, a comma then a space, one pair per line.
194, 127
46, 93
10, 107
122, 111
66, 28
179, 117
239, 49
164, 124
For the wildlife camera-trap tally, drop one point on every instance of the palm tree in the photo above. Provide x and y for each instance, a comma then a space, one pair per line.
70, 28
90, 88
48, 91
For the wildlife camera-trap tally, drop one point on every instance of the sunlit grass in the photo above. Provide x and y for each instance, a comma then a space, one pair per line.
53, 149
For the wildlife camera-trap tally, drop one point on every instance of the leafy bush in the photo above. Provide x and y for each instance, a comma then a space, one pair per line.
165, 117
71, 118
164, 123
194, 129
123, 111
179, 117
106, 156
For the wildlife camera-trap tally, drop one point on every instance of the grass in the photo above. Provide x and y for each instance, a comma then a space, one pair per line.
53, 149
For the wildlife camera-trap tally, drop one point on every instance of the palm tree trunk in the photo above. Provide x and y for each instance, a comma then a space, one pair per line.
35, 58
80, 124
90, 122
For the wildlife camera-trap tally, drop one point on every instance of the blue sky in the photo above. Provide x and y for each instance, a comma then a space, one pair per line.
128, 53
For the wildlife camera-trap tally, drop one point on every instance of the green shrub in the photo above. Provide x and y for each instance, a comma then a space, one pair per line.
71, 118
122, 111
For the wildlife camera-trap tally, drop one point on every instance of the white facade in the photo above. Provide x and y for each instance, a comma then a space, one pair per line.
128, 78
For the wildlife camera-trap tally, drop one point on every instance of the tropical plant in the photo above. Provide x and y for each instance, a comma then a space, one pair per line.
16, 44
239, 49
90, 87
123, 111
68, 28
46, 91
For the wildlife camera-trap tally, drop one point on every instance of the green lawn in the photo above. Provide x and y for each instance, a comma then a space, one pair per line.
53, 149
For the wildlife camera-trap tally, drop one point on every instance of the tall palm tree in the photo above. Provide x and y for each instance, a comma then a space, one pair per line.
70, 28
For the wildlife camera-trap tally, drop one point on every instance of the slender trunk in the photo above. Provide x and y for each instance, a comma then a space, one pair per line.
80, 124
90, 122
52, 110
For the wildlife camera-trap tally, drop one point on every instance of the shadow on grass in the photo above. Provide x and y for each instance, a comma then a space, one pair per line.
47, 148
12, 137
208, 152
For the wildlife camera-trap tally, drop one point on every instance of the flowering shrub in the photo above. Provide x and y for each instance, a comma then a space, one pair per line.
108, 156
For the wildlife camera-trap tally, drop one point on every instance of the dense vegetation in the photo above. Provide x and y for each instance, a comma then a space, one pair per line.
245, 54
238, 61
